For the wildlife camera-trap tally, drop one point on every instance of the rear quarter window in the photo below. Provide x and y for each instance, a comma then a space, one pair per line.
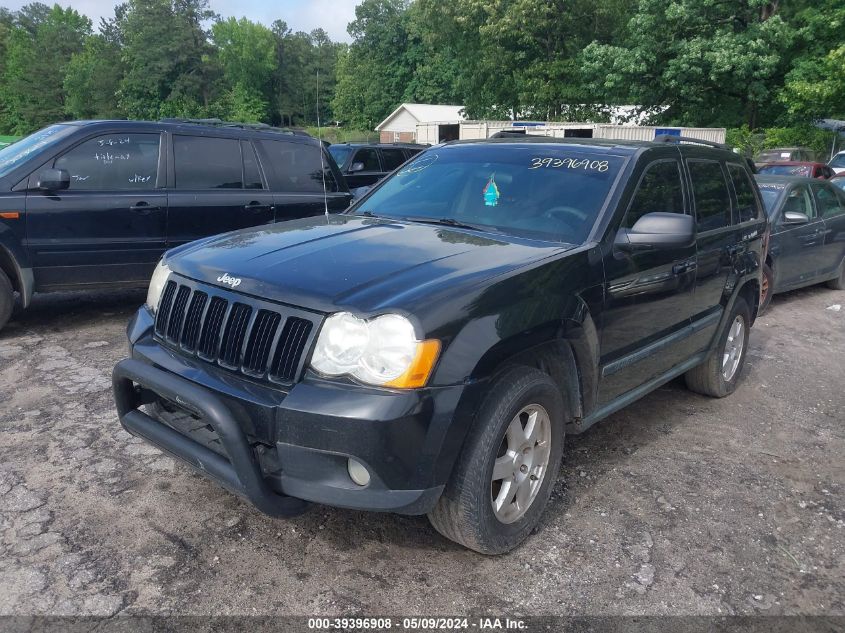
299, 167
747, 208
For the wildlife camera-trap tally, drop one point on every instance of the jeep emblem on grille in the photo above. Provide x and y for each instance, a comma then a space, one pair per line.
232, 281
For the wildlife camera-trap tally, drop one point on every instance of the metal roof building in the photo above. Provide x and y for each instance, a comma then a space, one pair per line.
401, 125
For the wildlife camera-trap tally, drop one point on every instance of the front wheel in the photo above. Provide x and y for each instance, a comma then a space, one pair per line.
503, 478
719, 374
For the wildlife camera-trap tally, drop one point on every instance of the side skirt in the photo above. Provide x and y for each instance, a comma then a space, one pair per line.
582, 424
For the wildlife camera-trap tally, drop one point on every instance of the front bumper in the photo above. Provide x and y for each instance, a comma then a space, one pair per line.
280, 449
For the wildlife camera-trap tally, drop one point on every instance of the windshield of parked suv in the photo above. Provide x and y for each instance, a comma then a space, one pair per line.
340, 153
17, 153
787, 170
838, 160
529, 190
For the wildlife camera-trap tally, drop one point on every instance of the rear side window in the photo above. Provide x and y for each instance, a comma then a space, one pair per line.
712, 198
392, 158
744, 190
203, 162
299, 167
660, 190
112, 162
829, 203
369, 157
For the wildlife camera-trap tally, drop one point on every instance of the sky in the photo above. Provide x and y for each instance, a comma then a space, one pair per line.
301, 15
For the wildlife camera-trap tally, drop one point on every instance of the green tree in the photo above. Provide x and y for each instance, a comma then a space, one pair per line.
38, 51
374, 74
167, 57
93, 80
708, 63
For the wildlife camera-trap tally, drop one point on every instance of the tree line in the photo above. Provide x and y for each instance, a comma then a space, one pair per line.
688, 62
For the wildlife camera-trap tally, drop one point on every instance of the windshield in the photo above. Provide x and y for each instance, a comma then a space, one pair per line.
17, 153
787, 170
838, 160
771, 193
771, 156
340, 153
838, 182
535, 191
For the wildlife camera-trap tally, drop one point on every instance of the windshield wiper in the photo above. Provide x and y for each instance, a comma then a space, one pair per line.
446, 222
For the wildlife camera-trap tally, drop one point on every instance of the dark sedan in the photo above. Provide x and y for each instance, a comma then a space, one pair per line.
807, 244
808, 169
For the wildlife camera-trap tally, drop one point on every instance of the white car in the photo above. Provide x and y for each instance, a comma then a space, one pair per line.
837, 163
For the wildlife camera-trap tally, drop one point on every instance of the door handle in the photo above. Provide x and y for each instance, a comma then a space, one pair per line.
684, 267
143, 208
255, 207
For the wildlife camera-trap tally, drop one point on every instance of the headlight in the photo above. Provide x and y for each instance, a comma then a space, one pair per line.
160, 275
383, 351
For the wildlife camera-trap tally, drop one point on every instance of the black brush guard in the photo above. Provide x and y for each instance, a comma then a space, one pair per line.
136, 384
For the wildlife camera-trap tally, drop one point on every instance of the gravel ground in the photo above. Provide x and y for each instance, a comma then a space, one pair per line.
677, 505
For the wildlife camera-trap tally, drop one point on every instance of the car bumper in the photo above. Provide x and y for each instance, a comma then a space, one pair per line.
280, 449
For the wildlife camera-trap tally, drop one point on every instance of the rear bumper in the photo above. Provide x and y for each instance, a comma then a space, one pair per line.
280, 449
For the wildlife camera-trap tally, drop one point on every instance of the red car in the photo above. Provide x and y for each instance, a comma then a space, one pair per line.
806, 169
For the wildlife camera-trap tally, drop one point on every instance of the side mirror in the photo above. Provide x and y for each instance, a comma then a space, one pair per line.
658, 230
795, 217
356, 167
53, 180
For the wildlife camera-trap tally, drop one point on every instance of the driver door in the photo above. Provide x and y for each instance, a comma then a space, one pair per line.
648, 293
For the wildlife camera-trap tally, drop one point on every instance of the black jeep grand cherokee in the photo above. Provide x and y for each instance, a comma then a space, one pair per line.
426, 351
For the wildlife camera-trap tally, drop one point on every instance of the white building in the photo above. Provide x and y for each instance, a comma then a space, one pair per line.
401, 125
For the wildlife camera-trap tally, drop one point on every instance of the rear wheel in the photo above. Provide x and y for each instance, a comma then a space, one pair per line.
766, 288
503, 478
719, 374
839, 282
7, 299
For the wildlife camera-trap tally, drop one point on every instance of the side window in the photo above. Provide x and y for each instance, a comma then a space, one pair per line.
252, 173
392, 158
112, 162
800, 200
203, 162
744, 190
369, 157
660, 190
828, 202
299, 167
712, 198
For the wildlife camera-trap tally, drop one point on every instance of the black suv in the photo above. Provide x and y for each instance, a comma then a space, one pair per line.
425, 351
364, 164
96, 203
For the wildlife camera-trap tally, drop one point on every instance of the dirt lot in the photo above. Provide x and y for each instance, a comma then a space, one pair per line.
679, 504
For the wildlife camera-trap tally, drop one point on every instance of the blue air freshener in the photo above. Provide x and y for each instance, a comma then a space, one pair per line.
491, 192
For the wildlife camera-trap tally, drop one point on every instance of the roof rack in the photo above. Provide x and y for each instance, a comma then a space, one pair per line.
669, 138
261, 127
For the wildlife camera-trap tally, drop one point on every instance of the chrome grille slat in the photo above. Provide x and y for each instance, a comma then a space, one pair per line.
253, 337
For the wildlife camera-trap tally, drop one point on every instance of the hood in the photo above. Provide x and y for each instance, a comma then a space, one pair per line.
352, 262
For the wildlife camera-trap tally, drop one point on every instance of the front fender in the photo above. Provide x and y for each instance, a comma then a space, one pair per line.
14, 260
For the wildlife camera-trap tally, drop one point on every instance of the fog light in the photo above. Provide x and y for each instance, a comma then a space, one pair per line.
357, 472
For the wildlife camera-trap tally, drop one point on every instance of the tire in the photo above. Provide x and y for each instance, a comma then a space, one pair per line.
7, 299
767, 289
839, 282
712, 377
465, 512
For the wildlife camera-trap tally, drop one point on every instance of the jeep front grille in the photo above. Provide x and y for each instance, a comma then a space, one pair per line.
253, 337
